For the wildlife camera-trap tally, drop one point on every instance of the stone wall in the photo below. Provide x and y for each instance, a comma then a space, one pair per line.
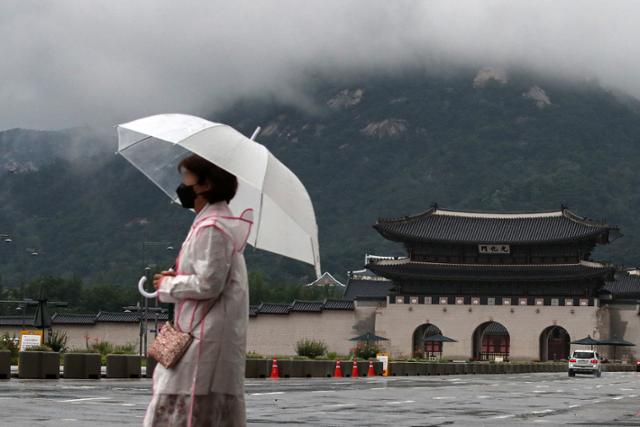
271, 334
116, 333
524, 324
620, 321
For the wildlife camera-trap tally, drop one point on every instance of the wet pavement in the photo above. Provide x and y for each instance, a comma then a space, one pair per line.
478, 400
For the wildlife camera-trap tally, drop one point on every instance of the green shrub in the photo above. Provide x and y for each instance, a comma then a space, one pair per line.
82, 350
311, 348
365, 350
125, 349
102, 347
10, 343
58, 341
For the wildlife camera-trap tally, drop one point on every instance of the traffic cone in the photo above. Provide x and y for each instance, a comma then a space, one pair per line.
372, 372
338, 373
354, 369
274, 370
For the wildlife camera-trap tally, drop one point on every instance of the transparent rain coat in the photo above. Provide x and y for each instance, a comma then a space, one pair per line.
210, 295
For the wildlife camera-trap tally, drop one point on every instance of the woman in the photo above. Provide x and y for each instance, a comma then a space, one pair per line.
210, 293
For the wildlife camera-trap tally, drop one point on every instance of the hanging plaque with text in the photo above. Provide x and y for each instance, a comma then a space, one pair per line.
494, 249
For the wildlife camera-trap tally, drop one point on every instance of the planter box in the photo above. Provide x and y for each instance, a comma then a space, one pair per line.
325, 368
82, 365
123, 366
261, 368
458, 368
151, 367
428, 369
441, 369
39, 365
285, 368
5, 364
251, 368
395, 369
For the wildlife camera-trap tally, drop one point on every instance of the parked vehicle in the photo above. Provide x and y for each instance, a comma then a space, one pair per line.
585, 362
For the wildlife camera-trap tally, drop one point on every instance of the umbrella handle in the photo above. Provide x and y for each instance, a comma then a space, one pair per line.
142, 291
255, 133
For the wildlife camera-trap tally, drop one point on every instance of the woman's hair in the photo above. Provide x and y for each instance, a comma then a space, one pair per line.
224, 184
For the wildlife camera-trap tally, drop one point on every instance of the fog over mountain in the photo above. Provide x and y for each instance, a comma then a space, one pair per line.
70, 63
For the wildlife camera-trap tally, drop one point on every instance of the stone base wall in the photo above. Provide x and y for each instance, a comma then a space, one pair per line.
525, 324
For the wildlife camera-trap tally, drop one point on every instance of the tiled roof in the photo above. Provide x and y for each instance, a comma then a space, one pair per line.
300, 307
272, 308
253, 310
72, 318
16, 320
443, 225
106, 316
337, 304
326, 280
490, 272
307, 306
367, 289
81, 319
624, 285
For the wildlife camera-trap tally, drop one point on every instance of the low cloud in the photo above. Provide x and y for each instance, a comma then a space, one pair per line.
70, 63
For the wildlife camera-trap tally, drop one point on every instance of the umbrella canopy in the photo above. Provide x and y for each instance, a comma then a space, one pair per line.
368, 337
439, 338
587, 341
285, 221
617, 342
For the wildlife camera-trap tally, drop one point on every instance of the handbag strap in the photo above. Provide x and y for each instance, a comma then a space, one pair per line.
192, 326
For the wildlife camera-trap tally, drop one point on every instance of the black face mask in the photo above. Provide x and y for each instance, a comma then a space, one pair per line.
187, 196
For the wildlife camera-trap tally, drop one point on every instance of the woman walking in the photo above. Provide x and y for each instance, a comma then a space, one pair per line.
210, 293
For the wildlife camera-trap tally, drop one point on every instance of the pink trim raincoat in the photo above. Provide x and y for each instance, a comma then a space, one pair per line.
206, 387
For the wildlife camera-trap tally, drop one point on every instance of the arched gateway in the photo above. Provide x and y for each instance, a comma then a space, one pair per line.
423, 347
554, 343
491, 340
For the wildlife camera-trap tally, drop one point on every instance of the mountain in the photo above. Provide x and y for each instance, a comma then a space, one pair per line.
366, 147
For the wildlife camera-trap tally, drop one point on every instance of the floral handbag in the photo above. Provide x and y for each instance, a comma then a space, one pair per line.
171, 344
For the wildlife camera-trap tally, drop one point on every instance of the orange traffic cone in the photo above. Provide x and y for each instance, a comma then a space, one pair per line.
372, 372
354, 369
274, 370
338, 373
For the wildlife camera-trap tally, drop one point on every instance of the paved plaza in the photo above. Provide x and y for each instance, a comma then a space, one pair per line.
524, 399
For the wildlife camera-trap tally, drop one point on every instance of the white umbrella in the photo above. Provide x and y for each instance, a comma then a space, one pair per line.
285, 222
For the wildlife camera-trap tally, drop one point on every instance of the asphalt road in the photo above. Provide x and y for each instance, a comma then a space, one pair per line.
478, 400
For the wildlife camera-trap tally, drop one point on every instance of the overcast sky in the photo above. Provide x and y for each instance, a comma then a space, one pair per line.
69, 63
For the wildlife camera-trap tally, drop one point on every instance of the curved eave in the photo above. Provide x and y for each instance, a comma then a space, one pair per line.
406, 238
539, 275
584, 228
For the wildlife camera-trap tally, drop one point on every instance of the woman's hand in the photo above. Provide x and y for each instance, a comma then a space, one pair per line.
157, 279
